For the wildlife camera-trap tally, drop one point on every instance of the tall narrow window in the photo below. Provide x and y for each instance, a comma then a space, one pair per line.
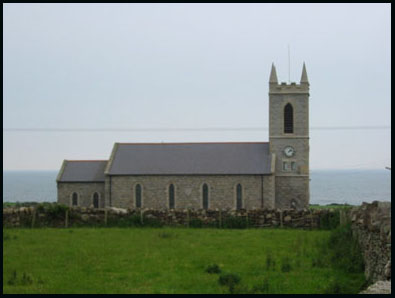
96, 200
288, 119
171, 196
239, 198
75, 199
205, 196
138, 196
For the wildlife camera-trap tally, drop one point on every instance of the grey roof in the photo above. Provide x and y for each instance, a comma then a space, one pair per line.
189, 159
82, 171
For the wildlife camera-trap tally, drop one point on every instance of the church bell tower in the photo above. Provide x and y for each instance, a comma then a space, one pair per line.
289, 140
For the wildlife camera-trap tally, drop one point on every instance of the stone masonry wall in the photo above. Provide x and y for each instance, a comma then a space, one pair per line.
85, 193
188, 191
81, 216
371, 225
289, 189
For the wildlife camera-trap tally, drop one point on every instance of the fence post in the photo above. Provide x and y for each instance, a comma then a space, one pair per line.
105, 217
141, 216
311, 219
220, 218
281, 218
66, 224
247, 219
188, 218
33, 217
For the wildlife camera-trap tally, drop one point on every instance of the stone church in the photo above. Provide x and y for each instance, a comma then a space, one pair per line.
246, 175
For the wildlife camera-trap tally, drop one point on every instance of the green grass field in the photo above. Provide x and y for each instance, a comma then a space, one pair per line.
169, 260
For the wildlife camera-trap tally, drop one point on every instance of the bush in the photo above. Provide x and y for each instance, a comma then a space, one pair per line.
330, 220
195, 223
230, 280
214, 268
235, 222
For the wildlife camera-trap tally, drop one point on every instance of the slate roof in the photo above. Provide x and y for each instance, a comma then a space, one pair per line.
82, 171
189, 159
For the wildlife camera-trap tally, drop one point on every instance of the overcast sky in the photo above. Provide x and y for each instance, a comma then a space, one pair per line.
141, 66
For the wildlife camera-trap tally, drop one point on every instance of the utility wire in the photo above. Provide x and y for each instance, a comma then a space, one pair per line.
184, 129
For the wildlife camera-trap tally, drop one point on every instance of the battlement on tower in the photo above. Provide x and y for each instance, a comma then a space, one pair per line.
284, 88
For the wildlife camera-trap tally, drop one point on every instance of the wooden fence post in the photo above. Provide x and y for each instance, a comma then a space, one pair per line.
66, 224
311, 219
220, 218
105, 217
141, 216
33, 217
281, 218
247, 219
188, 218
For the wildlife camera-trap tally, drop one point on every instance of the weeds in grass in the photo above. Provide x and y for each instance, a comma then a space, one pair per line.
286, 264
345, 251
214, 268
26, 279
230, 280
165, 235
13, 278
262, 288
270, 262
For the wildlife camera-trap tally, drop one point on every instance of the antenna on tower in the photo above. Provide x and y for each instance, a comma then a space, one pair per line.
289, 65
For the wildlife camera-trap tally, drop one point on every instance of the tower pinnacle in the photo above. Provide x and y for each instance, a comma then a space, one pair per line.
273, 75
304, 78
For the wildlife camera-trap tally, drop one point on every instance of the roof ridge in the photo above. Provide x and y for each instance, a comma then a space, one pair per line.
86, 160
183, 143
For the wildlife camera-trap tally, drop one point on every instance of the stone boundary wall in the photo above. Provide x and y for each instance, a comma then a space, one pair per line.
81, 216
371, 225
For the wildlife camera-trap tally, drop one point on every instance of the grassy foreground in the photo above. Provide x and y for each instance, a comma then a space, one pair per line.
168, 260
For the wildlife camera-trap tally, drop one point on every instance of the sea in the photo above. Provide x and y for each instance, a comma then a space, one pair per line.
326, 186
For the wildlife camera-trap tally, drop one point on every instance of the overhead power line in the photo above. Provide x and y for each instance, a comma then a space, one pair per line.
184, 129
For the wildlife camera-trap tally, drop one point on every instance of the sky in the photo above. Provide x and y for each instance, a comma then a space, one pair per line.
191, 73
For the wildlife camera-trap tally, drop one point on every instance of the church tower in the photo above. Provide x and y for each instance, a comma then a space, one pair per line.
289, 140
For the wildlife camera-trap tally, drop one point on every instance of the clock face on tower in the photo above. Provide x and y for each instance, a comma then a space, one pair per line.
289, 151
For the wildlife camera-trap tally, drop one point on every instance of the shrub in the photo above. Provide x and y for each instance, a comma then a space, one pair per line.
214, 268
230, 280
195, 223
235, 222
330, 220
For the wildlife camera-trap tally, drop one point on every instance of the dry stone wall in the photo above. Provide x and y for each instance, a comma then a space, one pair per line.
371, 225
81, 216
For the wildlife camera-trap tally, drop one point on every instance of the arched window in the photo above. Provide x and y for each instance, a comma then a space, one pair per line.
288, 119
95, 200
205, 196
74, 199
239, 197
171, 196
138, 196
